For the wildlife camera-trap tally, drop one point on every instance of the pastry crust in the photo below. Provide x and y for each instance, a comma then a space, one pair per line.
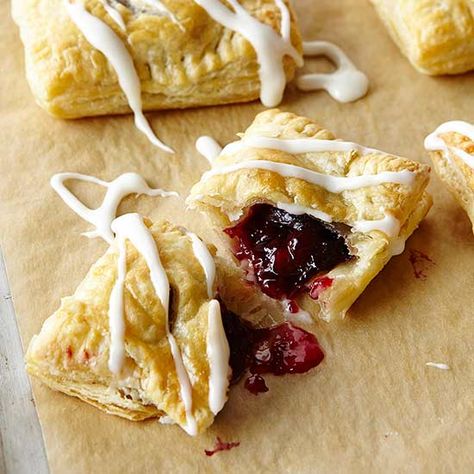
71, 352
185, 61
454, 172
225, 197
436, 36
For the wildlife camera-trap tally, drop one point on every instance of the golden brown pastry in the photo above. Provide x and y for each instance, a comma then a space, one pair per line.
73, 351
312, 220
451, 148
437, 36
183, 58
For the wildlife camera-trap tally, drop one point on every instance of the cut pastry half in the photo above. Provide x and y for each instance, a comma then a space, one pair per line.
97, 57
451, 148
310, 219
436, 36
142, 336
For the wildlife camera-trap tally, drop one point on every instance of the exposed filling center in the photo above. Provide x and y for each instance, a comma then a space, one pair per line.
286, 251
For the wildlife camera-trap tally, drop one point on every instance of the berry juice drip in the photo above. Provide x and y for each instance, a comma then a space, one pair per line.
286, 251
278, 350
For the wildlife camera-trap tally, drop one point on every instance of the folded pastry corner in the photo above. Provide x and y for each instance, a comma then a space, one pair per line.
310, 219
451, 148
76, 51
437, 37
140, 362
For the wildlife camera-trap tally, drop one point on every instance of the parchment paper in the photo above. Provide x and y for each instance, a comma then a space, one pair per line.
373, 405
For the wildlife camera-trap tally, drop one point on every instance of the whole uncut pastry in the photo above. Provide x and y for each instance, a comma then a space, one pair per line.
182, 56
311, 220
437, 36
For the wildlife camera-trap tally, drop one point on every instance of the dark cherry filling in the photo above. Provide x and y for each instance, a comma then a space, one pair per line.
286, 251
281, 349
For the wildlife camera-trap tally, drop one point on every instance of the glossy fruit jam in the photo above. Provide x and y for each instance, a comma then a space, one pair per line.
286, 251
281, 349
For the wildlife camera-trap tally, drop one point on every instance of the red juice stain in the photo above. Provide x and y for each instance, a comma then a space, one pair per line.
69, 352
255, 384
86, 354
292, 307
319, 285
420, 263
221, 446
278, 350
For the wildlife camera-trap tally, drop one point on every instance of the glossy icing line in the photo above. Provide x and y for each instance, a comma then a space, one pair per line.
101, 217
434, 142
208, 147
104, 39
206, 261
131, 227
345, 84
296, 146
116, 312
297, 210
333, 184
218, 354
269, 46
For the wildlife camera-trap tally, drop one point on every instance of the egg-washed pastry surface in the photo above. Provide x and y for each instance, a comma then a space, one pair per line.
451, 148
437, 36
73, 351
311, 219
183, 58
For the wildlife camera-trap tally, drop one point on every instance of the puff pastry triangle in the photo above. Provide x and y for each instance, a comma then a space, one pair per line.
71, 353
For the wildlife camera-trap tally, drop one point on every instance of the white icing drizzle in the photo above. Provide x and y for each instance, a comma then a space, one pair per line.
434, 142
389, 225
333, 184
438, 365
116, 311
218, 354
104, 39
269, 46
208, 147
345, 84
297, 146
131, 227
206, 261
114, 14
101, 218
297, 210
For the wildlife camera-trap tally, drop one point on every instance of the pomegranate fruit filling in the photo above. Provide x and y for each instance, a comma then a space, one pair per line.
286, 251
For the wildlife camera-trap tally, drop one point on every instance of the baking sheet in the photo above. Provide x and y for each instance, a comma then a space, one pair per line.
372, 405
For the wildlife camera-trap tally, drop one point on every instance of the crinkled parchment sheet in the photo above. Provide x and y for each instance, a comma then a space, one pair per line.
373, 405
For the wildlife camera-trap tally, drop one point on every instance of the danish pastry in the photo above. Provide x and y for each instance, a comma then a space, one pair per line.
82, 57
436, 36
142, 336
310, 219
